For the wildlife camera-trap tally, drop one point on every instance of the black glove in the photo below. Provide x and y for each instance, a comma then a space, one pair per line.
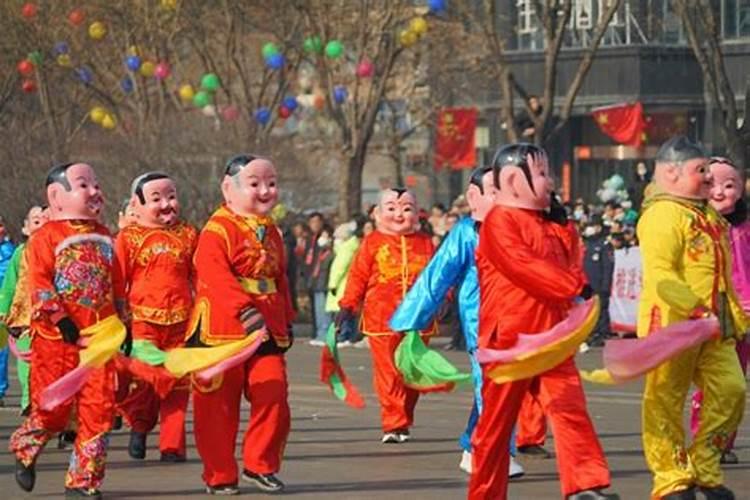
344, 315
127, 344
251, 320
587, 292
69, 330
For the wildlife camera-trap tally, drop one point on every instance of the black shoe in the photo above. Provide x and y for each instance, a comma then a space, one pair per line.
596, 341
137, 446
688, 494
26, 411
266, 482
223, 490
717, 493
66, 438
82, 493
534, 451
729, 457
117, 423
172, 458
25, 476
2, 402
595, 494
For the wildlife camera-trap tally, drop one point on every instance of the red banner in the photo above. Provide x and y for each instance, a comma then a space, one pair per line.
454, 145
623, 123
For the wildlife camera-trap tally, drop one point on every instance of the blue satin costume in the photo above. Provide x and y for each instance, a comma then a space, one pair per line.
453, 265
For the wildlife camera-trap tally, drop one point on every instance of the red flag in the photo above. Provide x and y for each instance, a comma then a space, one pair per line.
624, 123
454, 145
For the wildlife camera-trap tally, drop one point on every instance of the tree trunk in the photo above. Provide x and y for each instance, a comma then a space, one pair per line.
350, 185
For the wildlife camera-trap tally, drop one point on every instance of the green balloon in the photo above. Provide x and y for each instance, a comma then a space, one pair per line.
201, 99
269, 49
313, 45
35, 57
334, 49
210, 82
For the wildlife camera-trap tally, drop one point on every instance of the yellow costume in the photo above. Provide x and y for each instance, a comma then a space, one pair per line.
687, 267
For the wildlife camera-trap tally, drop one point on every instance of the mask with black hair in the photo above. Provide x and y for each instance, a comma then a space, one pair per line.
521, 176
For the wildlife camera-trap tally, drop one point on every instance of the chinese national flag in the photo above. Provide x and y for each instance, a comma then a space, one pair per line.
624, 123
454, 145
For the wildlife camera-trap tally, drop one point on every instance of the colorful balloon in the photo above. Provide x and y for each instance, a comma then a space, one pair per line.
97, 114
313, 45
418, 25
97, 30
28, 86
168, 4
275, 61
407, 38
334, 49
133, 63
319, 102
29, 10
209, 110
64, 60
61, 48
133, 50
230, 113
269, 49
340, 94
35, 57
76, 17
162, 70
210, 82
148, 69
290, 102
25, 67
437, 6
284, 112
85, 75
126, 84
186, 92
202, 99
262, 115
365, 69
109, 122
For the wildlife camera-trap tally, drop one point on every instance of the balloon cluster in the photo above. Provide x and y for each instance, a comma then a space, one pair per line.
613, 189
134, 64
102, 117
411, 35
274, 59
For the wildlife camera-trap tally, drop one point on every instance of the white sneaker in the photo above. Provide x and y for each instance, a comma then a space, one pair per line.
403, 437
390, 438
584, 348
345, 343
316, 343
516, 470
362, 344
465, 464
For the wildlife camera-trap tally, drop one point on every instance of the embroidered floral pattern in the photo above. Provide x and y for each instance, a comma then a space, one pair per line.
28, 441
83, 273
681, 457
87, 461
718, 441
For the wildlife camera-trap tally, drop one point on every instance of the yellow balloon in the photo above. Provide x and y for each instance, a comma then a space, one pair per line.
418, 25
97, 30
109, 121
169, 4
64, 60
148, 68
134, 50
186, 92
407, 38
97, 114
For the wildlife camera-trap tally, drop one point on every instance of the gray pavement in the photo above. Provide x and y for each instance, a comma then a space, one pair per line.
334, 452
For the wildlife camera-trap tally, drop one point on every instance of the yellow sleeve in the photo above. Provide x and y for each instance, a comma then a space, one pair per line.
661, 232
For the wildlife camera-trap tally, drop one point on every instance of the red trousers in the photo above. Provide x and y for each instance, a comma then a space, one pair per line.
263, 381
531, 428
142, 407
580, 459
93, 405
397, 402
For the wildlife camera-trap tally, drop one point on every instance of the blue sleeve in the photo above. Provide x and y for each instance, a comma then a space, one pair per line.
446, 269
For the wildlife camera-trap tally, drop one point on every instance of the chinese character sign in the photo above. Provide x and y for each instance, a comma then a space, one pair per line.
626, 290
454, 144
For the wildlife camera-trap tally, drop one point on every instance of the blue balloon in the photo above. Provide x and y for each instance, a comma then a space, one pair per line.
85, 75
290, 102
126, 84
133, 63
262, 115
275, 61
61, 48
339, 94
437, 5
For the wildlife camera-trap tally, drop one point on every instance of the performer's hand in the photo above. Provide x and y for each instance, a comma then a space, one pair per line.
344, 315
127, 344
252, 320
587, 292
69, 330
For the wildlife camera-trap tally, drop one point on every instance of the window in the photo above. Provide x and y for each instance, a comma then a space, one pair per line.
529, 35
671, 27
735, 18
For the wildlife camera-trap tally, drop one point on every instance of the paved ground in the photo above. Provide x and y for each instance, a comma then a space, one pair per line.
334, 452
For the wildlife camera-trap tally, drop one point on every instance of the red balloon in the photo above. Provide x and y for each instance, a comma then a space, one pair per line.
25, 67
28, 86
365, 69
29, 10
76, 17
285, 112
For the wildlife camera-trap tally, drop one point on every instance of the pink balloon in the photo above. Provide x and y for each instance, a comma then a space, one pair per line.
230, 113
162, 70
365, 69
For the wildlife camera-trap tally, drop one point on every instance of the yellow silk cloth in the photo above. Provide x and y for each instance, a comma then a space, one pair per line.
184, 360
539, 361
102, 341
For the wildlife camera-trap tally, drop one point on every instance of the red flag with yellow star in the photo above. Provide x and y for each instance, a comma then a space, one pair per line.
454, 145
623, 123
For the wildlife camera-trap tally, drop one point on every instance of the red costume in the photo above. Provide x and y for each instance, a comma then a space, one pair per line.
240, 264
156, 267
70, 275
527, 284
383, 270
